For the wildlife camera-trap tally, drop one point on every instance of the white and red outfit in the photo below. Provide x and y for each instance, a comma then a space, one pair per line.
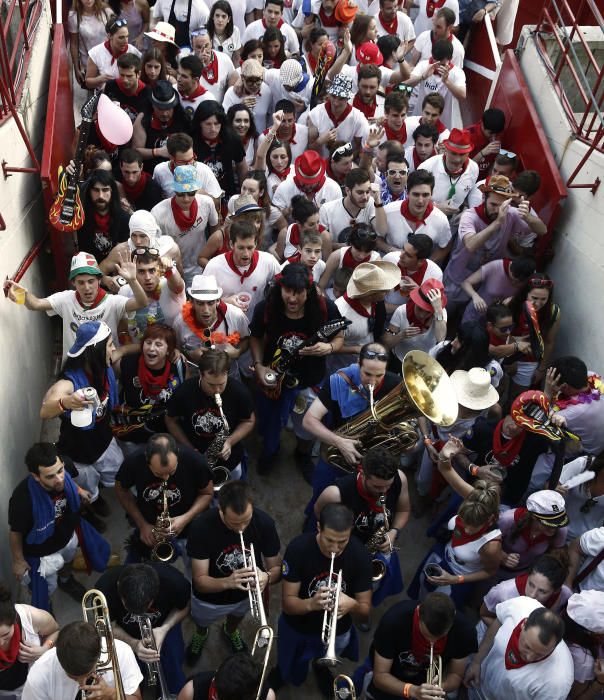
401, 223
433, 83
413, 159
163, 174
425, 41
317, 269
255, 30
215, 76
428, 8
347, 261
352, 72
400, 26
335, 217
264, 103
191, 102
298, 141
404, 317
372, 111
444, 182
349, 125
105, 61
359, 332
292, 240
413, 122
288, 189
427, 269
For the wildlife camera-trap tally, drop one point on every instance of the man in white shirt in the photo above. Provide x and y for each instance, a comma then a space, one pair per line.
190, 92
584, 555
390, 20
433, 105
309, 179
65, 672
184, 15
294, 134
442, 28
272, 16
290, 83
425, 138
252, 92
217, 66
522, 655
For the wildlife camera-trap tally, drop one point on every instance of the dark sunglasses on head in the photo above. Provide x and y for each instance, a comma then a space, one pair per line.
374, 355
364, 234
588, 505
538, 282
118, 24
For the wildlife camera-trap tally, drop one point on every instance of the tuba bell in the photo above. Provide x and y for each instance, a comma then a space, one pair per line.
426, 390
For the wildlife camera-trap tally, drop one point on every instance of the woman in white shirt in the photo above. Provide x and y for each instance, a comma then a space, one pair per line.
86, 24
223, 32
102, 58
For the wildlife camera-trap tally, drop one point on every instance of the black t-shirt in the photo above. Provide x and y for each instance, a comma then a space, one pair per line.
200, 418
211, 539
100, 243
174, 594
393, 640
157, 136
221, 159
20, 517
191, 475
202, 682
131, 104
284, 332
366, 520
390, 381
305, 563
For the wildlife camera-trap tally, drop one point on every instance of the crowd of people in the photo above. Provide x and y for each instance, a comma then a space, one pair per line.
301, 234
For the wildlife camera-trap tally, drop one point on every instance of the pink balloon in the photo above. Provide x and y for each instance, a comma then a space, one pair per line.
114, 123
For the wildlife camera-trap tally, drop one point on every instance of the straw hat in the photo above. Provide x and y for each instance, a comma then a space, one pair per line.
474, 389
367, 278
499, 184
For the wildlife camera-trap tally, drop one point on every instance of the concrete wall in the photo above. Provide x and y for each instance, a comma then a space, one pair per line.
25, 337
578, 266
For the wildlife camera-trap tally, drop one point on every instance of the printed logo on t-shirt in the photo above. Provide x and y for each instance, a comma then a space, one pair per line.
206, 422
230, 559
290, 341
132, 619
60, 506
284, 568
155, 493
322, 581
368, 522
408, 662
102, 242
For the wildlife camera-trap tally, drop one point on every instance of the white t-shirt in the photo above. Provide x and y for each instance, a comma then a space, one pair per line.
199, 12
411, 123
264, 103
442, 182
272, 77
163, 175
592, 543
423, 341
225, 70
404, 28
230, 44
162, 310
433, 83
64, 304
317, 270
191, 241
105, 62
432, 271
298, 142
48, 681
423, 22
335, 217
354, 126
235, 321
436, 226
423, 45
190, 106
255, 30
288, 189
549, 679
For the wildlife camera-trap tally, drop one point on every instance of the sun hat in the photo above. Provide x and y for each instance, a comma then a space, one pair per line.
164, 32
378, 276
309, 168
368, 53
204, 288
88, 334
245, 203
459, 141
473, 388
163, 95
419, 295
345, 11
548, 507
587, 609
341, 86
290, 73
185, 179
84, 264
499, 184
251, 68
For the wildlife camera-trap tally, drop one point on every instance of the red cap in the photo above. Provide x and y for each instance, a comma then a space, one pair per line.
419, 295
369, 53
309, 167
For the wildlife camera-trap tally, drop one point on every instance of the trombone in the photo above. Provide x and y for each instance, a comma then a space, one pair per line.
96, 612
255, 593
330, 618
347, 691
263, 640
155, 672
435, 669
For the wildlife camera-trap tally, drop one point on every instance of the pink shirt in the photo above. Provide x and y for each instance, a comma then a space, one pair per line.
496, 284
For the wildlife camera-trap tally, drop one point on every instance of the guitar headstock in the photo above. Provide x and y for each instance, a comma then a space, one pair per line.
89, 107
333, 327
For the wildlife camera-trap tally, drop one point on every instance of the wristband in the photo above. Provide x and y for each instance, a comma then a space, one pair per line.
379, 206
439, 317
331, 346
168, 273
398, 532
473, 469
407, 690
61, 406
461, 579
153, 153
49, 644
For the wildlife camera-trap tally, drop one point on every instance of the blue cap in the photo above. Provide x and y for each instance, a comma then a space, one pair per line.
185, 179
89, 333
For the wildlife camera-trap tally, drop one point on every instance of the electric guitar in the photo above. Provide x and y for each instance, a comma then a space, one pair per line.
67, 212
324, 61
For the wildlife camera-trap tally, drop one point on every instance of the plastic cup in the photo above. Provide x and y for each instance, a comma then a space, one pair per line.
433, 570
243, 299
19, 294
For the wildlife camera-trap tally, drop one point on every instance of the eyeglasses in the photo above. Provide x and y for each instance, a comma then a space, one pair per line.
403, 88
374, 355
342, 151
180, 195
538, 282
251, 80
117, 24
142, 250
394, 173
199, 32
508, 154
505, 329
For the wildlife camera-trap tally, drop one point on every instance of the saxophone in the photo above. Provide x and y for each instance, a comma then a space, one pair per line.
220, 474
163, 549
376, 540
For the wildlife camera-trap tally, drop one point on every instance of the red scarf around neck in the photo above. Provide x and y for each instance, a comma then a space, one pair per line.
417, 276
198, 92
349, 263
412, 318
282, 175
520, 582
102, 221
482, 214
461, 537
242, 275
411, 218
506, 452
158, 125
356, 305
512, 652
182, 220
152, 384
279, 25
433, 5
372, 502
392, 135
326, 21
294, 234
115, 56
133, 192
100, 295
520, 516
391, 26
447, 38
457, 173
420, 646
337, 120
367, 109
9, 656
137, 90
416, 161
210, 72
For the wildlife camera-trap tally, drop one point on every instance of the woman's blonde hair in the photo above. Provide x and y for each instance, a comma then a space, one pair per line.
99, 8
480, 505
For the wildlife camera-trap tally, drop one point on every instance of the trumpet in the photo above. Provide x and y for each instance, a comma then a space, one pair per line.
96, 612
254, 592
263, 640
163, 549
376, 540
347, 691
435, 669
330, 618
155, 672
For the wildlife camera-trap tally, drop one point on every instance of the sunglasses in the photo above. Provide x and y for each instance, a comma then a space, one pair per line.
342, 151
508, 154
252, 80
364, 235
180, 195
538, 282
186, 162
199, 32
505, 329
374, 355
394, 173
118, 24
143, 249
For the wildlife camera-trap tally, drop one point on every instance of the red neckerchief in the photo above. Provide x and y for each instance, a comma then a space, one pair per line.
294, 234
340, 179
506, 453
160, 126
212, 694
432, 61
203, 332
374, 507
417, 276
349, 263
210, 72
433, 5
521, 514
367, 109
8, 657
312, 62
412, 318
114, 56
448, 38
133, 192
100, 295
152, 384
327, 21
183, 221
282, 175
279, 25
413, 219
416, 161
296, 257
391, 26
212, 143
440, 127
107, 145
482, 214
337, 120
457, 173
357, 306
137, 90
520, 582
199, 90
242, 275
102, 222
496, 340
512, 652
420, 646
274, 62
392, 135
461, 537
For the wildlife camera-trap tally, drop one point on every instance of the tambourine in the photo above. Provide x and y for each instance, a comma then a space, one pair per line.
531, 411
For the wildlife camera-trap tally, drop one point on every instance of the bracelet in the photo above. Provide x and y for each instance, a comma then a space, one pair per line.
473, 469
366, 148
168, 273
406, 690
461, 579
331, 346
439, 317
152, 153
50, 644
61, 406
398, 532
379, 206
268, 581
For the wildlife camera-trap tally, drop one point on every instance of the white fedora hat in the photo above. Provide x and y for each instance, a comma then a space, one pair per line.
474, 389
204, 288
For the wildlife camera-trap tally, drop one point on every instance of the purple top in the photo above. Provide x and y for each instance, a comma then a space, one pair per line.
496, 284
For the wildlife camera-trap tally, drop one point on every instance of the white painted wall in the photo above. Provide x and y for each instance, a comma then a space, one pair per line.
25, 337
578, 266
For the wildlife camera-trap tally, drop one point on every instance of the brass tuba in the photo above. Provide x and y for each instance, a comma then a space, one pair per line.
163, 549
426, 390
96, 612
